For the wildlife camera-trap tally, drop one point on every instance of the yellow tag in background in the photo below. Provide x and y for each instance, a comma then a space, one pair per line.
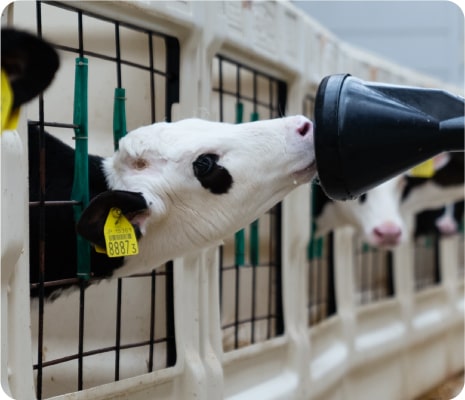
423, 170
120, 237
9, 117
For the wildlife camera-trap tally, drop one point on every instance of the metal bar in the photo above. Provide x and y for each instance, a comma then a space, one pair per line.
173, 63
52, 124
249, 320
271, 283
236, 306
118, 55
278, 261
152, 80
88, 53
53, 203
152, 320
246, 67
96, 352
221, 277
245, 98
40, 338
70, 281
171, 354
82, 288
331, 300
118, 327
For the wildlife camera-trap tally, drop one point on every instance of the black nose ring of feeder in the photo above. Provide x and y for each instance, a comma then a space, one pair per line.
369, 132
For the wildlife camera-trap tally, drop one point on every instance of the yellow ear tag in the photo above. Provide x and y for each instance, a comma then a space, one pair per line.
9, 117
423, 170
120, 237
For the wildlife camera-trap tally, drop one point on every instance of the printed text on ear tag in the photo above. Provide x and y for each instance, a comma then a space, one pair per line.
120, 237
423, 170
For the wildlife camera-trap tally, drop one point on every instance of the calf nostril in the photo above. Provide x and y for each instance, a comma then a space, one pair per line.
304, 128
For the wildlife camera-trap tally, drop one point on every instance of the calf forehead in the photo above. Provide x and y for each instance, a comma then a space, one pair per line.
193, 136
380, 202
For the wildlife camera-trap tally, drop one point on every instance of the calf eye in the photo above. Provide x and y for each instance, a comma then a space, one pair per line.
212, 176
362, 198
204, 164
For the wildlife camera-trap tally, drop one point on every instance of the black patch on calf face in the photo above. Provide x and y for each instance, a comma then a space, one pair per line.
212, 176
362, 198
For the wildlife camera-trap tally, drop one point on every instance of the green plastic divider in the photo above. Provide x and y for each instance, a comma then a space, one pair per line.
315, 246
80, 190
119, 116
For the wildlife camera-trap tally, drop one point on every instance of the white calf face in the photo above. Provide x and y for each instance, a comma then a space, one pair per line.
377, 214
205, 180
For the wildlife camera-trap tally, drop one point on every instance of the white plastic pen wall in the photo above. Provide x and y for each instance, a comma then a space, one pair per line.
390, 349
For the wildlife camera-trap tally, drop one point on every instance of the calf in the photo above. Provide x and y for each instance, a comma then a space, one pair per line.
183, 186
444, 221
375, 215
380, 216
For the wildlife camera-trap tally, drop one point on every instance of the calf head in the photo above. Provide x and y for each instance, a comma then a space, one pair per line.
383, 216
28, 66
201, 181
375, 215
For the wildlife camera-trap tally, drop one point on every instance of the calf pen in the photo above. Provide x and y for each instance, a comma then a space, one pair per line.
266, 316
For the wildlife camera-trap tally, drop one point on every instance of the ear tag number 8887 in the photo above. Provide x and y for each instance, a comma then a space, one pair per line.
120, 237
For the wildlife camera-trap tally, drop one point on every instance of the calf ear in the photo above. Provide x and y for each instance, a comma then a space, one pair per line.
133, 206
29, 62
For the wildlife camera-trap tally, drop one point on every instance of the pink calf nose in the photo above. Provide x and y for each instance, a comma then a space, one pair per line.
304, 127
387, 233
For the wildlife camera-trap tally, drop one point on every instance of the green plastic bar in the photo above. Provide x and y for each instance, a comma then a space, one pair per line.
254, 245
80, 190
315, 246
239, 237
119, 116
366, 248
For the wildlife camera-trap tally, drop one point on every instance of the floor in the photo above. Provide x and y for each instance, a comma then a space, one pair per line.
447, 390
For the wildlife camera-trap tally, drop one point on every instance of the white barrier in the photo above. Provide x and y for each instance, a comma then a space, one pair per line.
412, 341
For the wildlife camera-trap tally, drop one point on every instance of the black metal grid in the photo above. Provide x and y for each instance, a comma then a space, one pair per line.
427, 271
373, 273
162, 278
321, 292
250, 293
